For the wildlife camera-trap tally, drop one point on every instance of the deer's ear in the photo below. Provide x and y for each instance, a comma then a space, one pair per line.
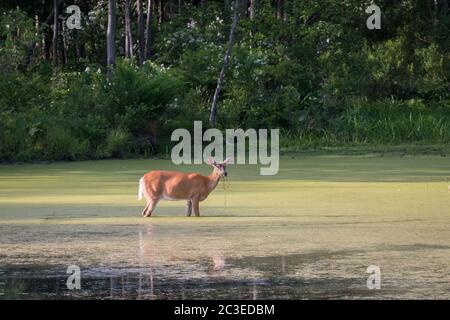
227, 160
211, 161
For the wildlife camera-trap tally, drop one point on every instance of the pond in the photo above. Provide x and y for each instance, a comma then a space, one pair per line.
310, 232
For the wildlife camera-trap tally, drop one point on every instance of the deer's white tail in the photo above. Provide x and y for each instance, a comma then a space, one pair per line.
141, 188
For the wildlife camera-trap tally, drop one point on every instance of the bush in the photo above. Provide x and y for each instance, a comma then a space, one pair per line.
393, 122
317, 73
15, 139
117, 143
60, 144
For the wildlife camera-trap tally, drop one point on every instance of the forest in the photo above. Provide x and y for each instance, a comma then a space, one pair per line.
95, 79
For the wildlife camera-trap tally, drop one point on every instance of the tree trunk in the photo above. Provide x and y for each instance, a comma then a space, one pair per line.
280, 9
251, 9
80, 50
160, 12
110, 38
64, 46
443, 6
46, 43
213, 114
55, 31
128, 36
148, 31
169, 9
141, 44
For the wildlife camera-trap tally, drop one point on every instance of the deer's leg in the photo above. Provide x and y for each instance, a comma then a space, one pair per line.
196, 207
189, 208
151, 207
145, 209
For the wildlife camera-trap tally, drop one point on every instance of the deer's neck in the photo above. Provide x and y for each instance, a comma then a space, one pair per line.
214, 179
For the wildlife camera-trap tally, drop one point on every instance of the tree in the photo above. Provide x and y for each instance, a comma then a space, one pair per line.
281, 10
110, 38
148, 30
213, 114
443, 6
55, 31
141, 44
160, 12
251, 9
64, 45
128, 36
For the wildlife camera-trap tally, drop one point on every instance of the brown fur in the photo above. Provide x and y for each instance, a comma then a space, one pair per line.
171, 185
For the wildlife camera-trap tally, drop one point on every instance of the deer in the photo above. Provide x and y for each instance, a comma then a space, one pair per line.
170, 185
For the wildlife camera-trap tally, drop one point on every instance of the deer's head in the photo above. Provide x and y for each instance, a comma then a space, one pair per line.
219, 167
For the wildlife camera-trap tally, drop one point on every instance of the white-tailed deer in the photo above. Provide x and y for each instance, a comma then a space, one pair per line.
170, 185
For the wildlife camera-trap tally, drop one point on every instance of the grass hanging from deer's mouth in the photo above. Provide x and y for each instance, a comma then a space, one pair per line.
226, 185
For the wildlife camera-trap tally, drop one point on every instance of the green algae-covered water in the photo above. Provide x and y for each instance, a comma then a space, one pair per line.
309, 232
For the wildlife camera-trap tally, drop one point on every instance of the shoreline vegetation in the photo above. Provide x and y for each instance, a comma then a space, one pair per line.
311, 69
401, 150
388, 150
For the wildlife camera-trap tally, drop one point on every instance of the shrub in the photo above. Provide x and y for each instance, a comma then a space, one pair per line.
15, 139
117, 143
60, 144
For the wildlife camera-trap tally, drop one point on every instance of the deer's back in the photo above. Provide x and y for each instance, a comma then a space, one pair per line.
173, 185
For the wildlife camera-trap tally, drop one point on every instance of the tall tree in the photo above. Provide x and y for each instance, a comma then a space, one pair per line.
141, 44
46, 43
280, 9
110, 38
148, 30
64, 45
213, 114
80, 49
128, 36
251, 9
443, 6
55, 31
160, 13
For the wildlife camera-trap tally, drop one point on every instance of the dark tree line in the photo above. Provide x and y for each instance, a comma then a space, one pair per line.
48, 16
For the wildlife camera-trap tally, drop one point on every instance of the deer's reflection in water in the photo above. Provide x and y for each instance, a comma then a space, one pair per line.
217, 265
141, 284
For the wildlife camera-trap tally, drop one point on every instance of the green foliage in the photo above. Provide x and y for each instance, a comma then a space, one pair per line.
117, 143
61, 144
17, 37
380, 123
312, 69
77, 115
15, 138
